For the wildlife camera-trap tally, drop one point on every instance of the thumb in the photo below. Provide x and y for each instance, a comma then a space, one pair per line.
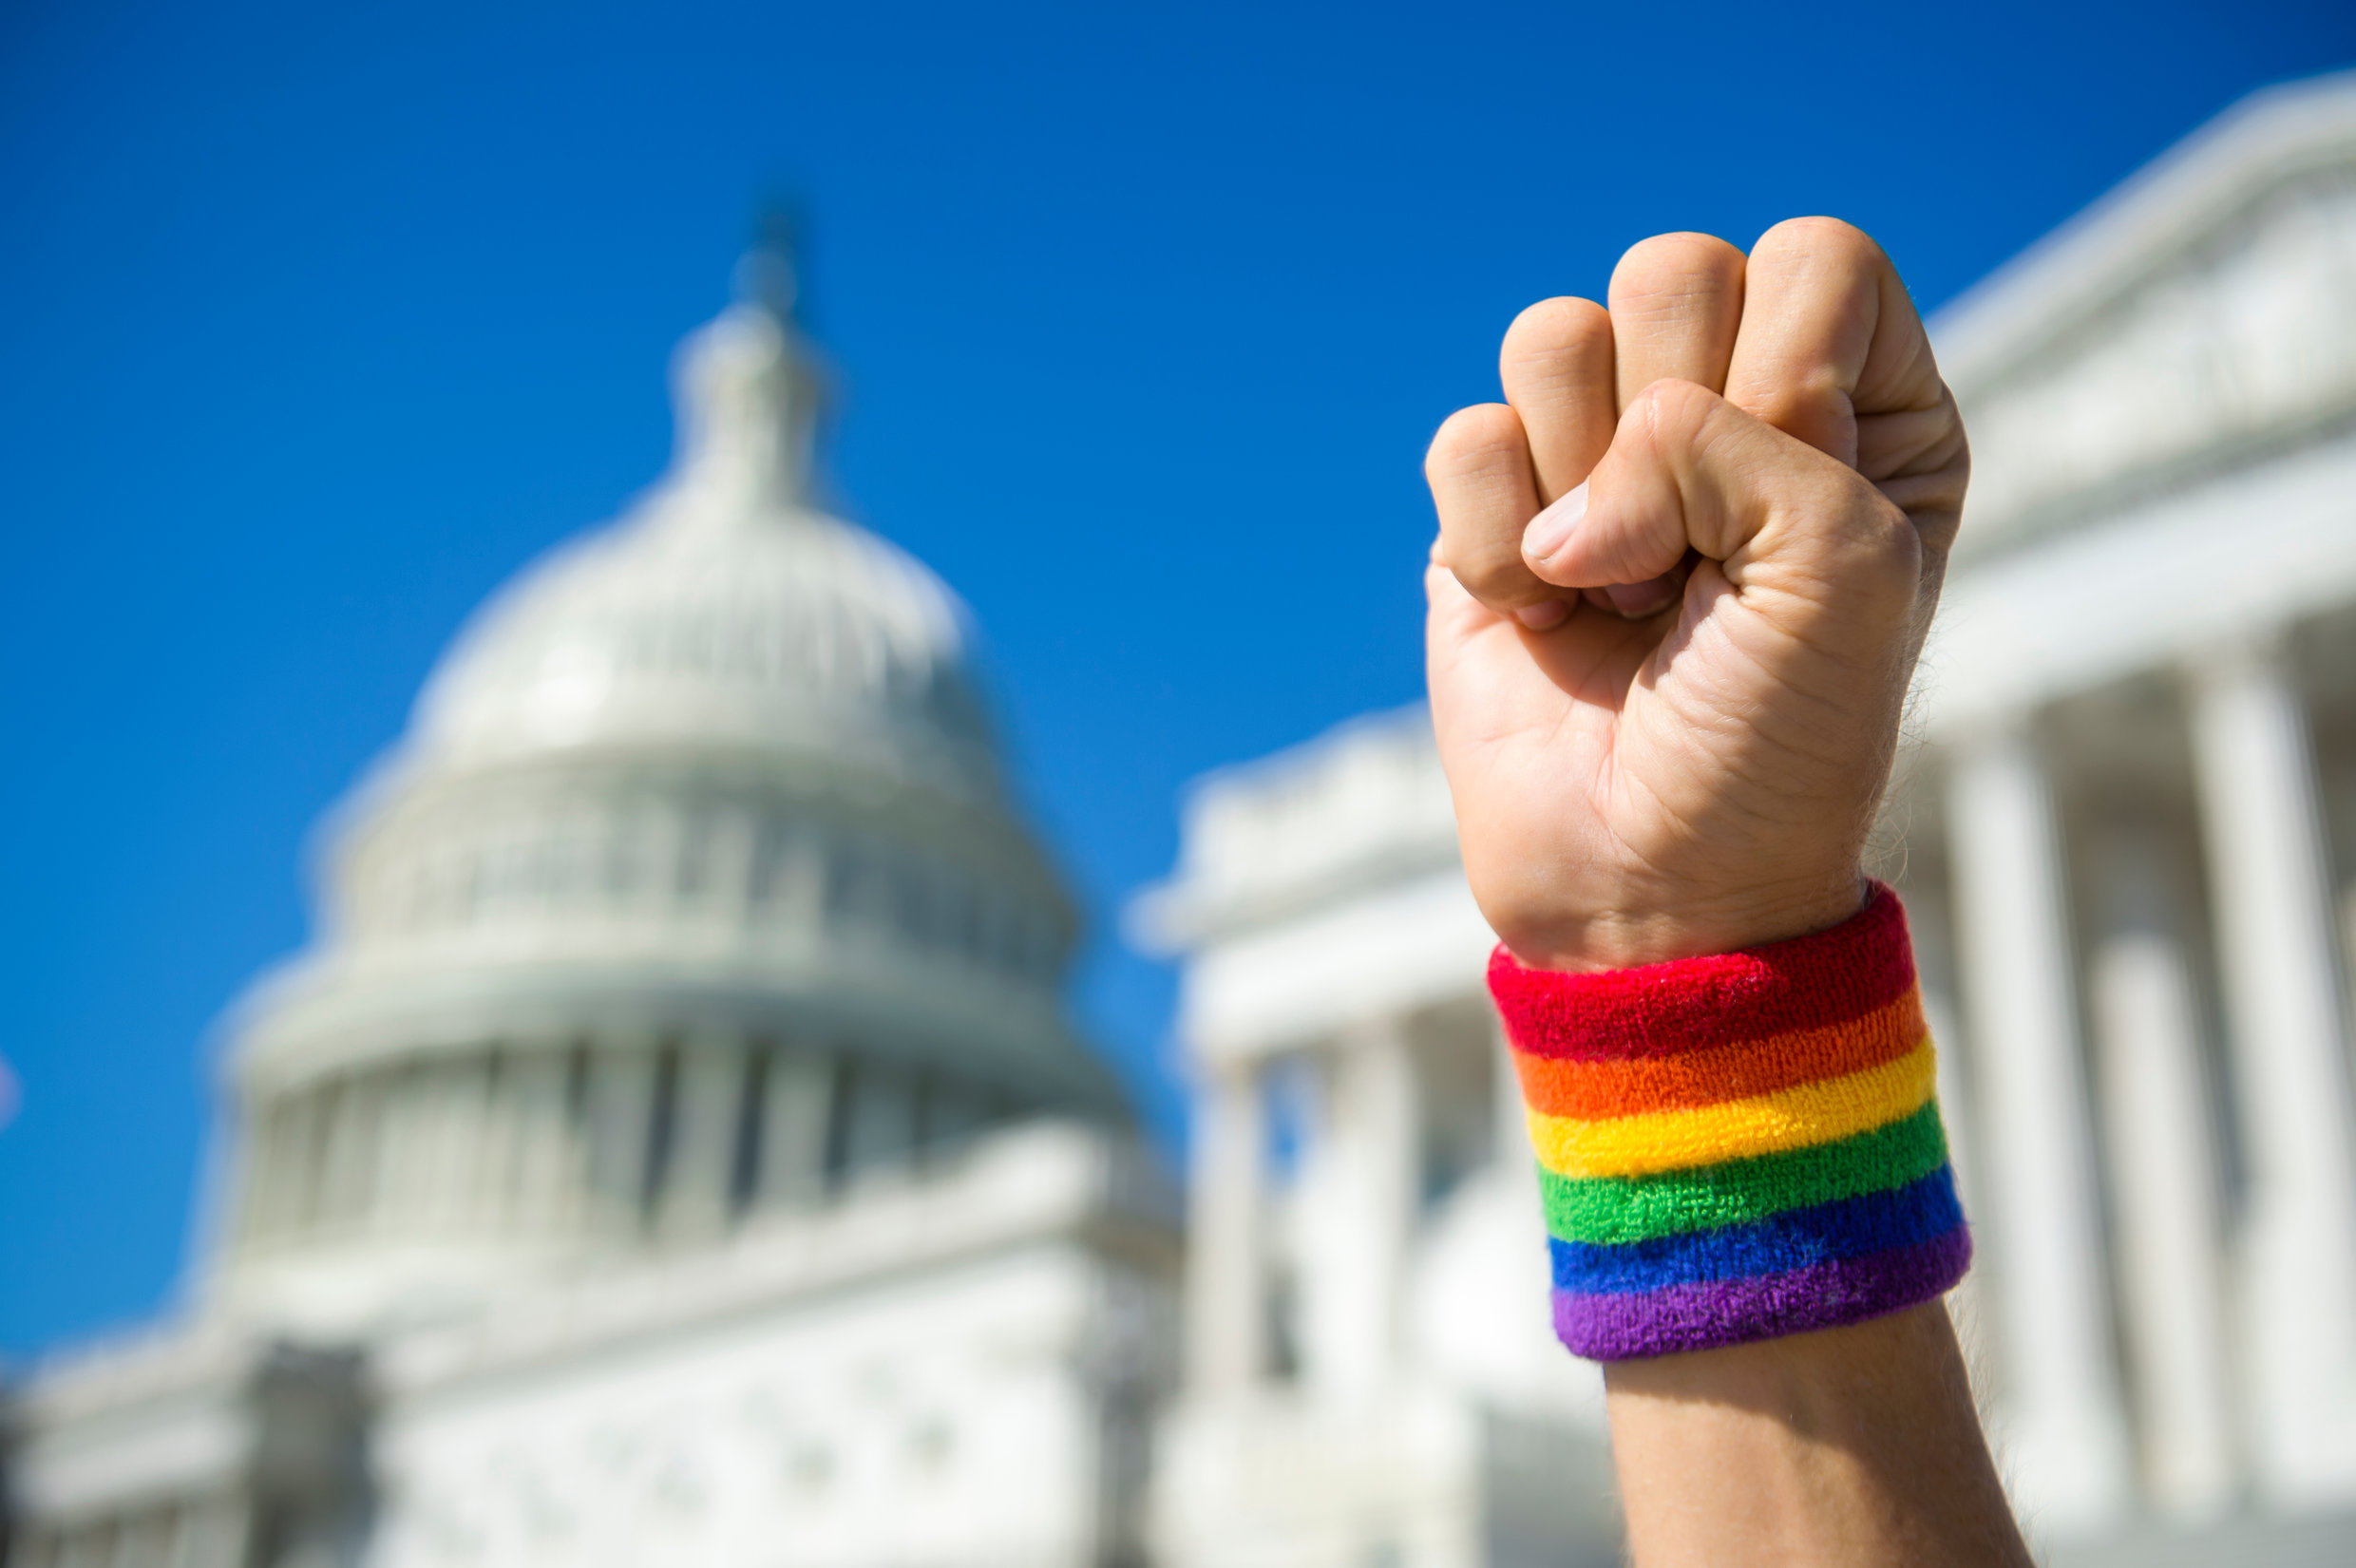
1798, 534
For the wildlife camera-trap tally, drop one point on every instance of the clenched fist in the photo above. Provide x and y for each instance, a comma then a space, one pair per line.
1682, 574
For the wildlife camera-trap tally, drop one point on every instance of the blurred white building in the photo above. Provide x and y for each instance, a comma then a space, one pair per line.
672, 1149
1371, 1376
2128, 844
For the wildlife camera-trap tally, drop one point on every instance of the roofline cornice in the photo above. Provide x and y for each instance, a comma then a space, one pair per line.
2143, 224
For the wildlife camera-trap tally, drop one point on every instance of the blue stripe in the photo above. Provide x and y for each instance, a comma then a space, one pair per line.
1850, 1227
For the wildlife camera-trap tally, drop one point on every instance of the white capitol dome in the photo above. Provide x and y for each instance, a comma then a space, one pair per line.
723, 612
692, 891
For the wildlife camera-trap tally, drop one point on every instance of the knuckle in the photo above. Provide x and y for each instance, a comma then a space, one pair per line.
1555, 325
1472, 439
1496, 578
1882, 537
1831, 237
1819, 255
1810, 403
1675, 409
1668, 272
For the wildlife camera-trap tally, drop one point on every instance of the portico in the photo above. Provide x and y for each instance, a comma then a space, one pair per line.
1372, 1375
2135, 702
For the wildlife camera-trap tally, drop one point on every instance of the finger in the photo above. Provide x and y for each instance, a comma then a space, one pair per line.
1833, 351
1486, 493
1557, 369
1631, 598
1823, 308
1792, 530
1813, 307
1676, 307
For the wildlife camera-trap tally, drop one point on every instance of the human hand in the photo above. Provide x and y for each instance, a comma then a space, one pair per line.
1682, 574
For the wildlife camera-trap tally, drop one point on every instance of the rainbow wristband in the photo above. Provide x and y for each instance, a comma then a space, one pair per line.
1738, 1147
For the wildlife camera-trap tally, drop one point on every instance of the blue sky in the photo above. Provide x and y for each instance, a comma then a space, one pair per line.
321, 320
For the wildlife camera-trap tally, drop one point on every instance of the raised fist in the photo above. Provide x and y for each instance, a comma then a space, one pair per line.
1682, 574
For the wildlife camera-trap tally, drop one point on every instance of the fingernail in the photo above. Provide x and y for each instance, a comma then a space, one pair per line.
1638, 599
1541, 618
1550, 529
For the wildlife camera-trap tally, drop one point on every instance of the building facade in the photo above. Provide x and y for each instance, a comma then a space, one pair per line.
1371, 1376
672, 1148
2126, 837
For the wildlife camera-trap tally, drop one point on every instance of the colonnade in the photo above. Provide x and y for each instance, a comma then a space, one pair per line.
739, 861
614, 1133
197, 1533
2200, 1204
1300, 1273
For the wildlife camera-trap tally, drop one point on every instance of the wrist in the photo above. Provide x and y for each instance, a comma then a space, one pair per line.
1737, 1146
1631, 932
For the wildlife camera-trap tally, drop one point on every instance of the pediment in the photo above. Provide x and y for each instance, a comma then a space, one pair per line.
2200, 318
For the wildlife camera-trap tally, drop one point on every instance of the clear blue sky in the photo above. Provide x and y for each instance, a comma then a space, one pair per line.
321, 320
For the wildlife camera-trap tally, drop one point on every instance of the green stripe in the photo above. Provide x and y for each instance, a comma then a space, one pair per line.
1610, 1210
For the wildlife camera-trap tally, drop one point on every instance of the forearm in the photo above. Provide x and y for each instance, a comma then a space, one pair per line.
1856, 1446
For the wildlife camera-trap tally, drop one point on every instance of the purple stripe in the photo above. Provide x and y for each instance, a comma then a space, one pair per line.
1735, 1312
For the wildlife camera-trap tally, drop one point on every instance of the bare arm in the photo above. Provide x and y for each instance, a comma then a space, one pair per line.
1850, 1446
1682, 574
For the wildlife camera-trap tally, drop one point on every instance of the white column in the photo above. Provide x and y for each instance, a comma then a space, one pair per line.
262, 1200
706, 1109
493, 1197
346, 1198
730, 832
1227, 1289
879, 1137
2062, 1431
2268, 870
545, 1180
1959, 1113
460, 1096
661, 842
1359, 1198
954, 1112
214, 1534
797, 897
2167, 1185
172, 1551
621, 1115
398, 1158
295, 1167
1928, 909
142, 1539
1509, 1112
797, 1101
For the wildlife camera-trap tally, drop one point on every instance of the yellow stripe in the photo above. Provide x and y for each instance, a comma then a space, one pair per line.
1796, 1118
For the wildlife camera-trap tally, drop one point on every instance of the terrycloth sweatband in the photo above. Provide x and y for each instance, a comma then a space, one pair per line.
1738, 1147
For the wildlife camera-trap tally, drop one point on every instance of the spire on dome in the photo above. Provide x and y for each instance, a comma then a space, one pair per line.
748, 391
768, 274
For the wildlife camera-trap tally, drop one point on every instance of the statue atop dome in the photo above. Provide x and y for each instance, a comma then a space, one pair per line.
748, 394
768, 274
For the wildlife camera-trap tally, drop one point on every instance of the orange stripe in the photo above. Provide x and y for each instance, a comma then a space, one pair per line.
1593, 1092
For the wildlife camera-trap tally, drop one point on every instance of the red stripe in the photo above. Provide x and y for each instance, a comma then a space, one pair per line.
1592, 1090
1690, 1004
